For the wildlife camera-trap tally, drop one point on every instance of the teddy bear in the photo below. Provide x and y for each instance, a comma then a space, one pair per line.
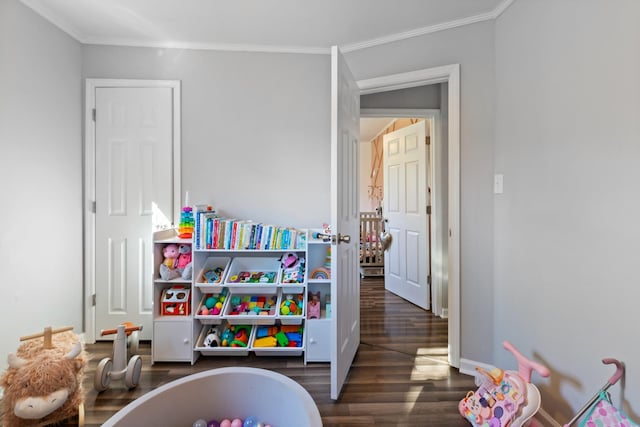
177, 262
168, 269
184, 264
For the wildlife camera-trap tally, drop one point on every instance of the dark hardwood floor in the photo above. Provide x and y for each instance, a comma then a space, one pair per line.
399, 377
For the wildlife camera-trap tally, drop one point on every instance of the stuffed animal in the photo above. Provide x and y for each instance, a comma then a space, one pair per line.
212, 339
313, 305
183, 264
168, 269
43, 386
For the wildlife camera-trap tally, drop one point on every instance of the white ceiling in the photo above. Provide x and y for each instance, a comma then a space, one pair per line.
309, 26
301, 26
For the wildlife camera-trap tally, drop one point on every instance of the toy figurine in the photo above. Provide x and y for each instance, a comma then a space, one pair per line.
313, 306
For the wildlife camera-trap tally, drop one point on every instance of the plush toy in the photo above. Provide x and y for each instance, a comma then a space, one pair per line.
43, 386
212, 339
183, 264
168, 269
313, 305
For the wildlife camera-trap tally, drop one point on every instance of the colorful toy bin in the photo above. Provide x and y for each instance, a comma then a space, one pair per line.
216, 394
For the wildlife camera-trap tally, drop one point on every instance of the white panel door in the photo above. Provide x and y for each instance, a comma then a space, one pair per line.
406, 262
345, 217
134, 190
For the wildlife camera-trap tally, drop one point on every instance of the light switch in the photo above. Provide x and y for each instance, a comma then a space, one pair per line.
497, 183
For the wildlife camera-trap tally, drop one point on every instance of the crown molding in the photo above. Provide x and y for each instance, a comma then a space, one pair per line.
228, 47
417, 32
40, 8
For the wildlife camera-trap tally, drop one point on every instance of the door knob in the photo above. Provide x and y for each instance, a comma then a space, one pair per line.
344, 238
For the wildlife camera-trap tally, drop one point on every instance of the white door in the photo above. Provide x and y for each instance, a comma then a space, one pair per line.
406, 261
345, 280
133, 189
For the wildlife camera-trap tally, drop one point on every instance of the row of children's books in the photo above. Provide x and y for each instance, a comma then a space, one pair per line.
214, 232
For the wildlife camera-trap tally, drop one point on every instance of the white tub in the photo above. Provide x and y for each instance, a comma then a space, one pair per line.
235, 392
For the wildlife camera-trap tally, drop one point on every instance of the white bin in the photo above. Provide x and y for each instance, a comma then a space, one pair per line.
235, 392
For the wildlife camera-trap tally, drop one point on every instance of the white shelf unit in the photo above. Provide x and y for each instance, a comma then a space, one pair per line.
172, 339
237, 263
318, 330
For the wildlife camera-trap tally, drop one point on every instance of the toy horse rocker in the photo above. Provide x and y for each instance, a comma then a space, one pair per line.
43, 384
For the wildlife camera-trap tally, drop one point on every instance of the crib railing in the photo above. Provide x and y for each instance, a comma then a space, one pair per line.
371, 250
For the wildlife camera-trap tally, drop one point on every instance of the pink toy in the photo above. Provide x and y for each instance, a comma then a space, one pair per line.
313, 306
600, 410
170, 254
184, 259
506, 398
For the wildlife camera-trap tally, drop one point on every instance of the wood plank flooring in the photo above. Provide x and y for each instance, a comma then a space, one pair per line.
399, 376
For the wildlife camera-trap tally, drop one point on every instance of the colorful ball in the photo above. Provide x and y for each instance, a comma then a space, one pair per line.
237, 422
251, 422
225, 423
210, 302
200, 423
213, 423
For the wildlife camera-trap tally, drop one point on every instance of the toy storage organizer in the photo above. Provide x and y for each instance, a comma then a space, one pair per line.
371, 249
254, 300
244, 301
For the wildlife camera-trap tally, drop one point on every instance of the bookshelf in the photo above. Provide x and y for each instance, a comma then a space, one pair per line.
172, 320
318, 329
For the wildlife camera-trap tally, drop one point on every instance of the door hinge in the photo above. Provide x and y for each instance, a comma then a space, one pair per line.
93, 114
93, 206
428, 279
93, 300
429, 210
427, 139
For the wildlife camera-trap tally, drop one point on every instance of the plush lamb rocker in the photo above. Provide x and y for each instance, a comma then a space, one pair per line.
43, 384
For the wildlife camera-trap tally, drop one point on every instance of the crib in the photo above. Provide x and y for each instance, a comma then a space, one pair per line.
371, 250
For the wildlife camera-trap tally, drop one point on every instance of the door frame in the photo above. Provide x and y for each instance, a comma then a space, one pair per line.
445, 74
88, 203
435, 241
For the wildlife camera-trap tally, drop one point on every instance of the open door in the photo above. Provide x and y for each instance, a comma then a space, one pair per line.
345, 217
406, 261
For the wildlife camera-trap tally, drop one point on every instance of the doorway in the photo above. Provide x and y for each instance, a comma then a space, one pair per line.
449, 74
411, 189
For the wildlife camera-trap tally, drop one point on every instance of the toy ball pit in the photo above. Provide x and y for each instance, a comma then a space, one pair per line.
235, 392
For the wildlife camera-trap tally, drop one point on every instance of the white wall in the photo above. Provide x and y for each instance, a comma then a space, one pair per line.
366, 204
472, 47
567, 229
41, 172
255, 127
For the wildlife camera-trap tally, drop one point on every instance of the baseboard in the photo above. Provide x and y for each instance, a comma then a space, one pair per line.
544, 419
468, 367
